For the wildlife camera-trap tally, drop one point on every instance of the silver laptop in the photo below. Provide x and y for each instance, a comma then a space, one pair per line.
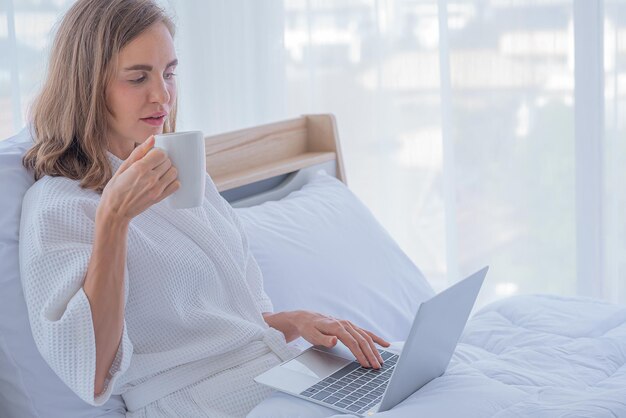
332, 377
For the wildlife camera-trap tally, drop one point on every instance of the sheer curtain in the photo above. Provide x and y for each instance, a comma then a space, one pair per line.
232, 71
477, 131
614, 154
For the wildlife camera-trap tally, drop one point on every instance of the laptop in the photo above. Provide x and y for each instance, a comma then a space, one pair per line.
333, 378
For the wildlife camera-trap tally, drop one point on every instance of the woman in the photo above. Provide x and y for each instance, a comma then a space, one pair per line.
126, 295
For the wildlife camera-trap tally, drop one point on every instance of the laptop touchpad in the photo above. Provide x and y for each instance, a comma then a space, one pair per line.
316, 364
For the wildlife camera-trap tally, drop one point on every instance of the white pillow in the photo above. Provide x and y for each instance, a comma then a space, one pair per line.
28, 387
321, 249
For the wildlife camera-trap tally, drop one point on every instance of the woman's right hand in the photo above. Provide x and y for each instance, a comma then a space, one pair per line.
146, 177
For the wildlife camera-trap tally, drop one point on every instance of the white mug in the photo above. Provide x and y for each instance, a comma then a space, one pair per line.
186, 151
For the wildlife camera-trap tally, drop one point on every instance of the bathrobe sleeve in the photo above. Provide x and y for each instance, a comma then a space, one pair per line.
254, 276
56, 238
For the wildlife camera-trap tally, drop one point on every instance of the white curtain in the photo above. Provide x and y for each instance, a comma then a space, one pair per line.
478, 131
232, 71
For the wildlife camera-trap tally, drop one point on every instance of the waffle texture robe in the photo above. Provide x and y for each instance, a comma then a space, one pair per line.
193, 336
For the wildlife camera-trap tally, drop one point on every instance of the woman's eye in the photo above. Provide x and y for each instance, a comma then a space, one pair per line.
169, 75
138, 80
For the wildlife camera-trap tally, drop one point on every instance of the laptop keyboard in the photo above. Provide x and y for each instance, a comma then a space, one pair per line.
354, 388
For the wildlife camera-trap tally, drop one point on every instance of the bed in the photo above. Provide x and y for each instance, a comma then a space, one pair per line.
535, 355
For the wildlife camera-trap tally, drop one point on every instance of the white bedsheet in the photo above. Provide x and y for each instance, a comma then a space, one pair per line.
539, 356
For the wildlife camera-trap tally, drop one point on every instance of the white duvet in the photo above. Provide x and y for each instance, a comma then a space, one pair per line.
527, 356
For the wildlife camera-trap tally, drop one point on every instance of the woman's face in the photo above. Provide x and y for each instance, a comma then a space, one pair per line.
142, 90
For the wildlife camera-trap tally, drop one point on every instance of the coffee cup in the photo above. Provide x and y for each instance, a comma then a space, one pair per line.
186, 151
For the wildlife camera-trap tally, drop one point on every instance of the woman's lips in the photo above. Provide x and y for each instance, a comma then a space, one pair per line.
154, 121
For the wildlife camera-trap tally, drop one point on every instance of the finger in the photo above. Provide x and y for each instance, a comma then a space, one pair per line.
370, 342
364, 346
137, 154
350, 342
169, 189
337, 328
163, 168
320, 338
377, 339
168, 177
154, 157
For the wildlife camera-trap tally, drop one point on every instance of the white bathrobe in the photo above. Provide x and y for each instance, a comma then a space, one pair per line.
193, 337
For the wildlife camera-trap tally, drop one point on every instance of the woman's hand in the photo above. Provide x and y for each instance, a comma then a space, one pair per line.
146, 177
324, 330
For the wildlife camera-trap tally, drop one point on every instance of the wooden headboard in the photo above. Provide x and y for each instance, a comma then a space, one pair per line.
248, 156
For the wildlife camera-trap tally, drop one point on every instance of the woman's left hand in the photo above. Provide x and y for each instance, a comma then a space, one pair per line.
324, 330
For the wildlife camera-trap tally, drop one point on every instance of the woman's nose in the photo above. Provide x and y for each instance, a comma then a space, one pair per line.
159, 92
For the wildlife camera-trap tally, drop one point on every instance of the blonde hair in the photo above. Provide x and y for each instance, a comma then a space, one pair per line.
69, 114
